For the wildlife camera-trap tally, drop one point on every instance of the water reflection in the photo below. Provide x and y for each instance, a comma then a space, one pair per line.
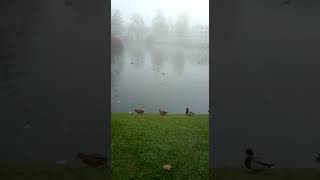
201, 57
153, 77
178, 62
157, 59
117, 61
136, 56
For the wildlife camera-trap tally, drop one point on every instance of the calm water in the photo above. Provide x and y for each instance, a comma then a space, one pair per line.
161, 76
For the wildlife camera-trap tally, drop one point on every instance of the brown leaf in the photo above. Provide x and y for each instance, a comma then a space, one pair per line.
167, 167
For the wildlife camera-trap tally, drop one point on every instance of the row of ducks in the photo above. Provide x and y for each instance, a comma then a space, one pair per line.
257, 164
251, 162
162, 112
141, 111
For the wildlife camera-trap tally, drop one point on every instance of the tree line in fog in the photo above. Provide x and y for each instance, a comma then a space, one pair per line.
162, 29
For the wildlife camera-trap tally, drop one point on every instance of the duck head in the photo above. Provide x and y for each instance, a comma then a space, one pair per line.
249, 152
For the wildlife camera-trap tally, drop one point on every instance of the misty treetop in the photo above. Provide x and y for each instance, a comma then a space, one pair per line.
162, 29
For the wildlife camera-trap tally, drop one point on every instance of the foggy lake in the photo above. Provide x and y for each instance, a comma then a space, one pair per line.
155, 76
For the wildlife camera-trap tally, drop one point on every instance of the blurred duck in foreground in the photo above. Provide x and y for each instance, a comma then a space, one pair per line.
255, 164
317, 158
162, 113
139, 111
94, 160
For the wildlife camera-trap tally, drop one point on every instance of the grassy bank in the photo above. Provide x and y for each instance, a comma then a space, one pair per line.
141, 145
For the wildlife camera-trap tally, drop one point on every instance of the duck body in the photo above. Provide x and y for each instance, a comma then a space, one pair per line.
94, 160
286, 3
139, 111
317, 158
189, 113
162, 113
256, 164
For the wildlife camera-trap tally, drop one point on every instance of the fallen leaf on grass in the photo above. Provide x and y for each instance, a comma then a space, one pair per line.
167, 167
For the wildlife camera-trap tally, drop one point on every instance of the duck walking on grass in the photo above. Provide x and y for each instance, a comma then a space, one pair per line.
94, 160
255, 164
162, 113
139, 111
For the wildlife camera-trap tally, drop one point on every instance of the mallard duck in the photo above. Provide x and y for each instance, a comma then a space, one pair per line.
139, 111
94, 160
189, 113
162, 113
255, 164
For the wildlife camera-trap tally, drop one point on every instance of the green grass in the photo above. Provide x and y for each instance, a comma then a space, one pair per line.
52, 172
141, 145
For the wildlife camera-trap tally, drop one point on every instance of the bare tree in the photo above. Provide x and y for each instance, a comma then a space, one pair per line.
116, 23
136, 27
182, 26
159, 26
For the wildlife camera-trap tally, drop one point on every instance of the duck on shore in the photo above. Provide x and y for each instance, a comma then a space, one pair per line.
139, 111
162, 113
189, 113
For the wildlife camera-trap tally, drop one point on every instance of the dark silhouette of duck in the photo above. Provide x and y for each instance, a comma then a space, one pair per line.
139, 111
317, 158
255, 164
162, 113
94, 160
189, 113
286, 3
68, 3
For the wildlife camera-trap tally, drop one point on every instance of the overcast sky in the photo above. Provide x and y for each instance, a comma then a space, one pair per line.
198, 10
